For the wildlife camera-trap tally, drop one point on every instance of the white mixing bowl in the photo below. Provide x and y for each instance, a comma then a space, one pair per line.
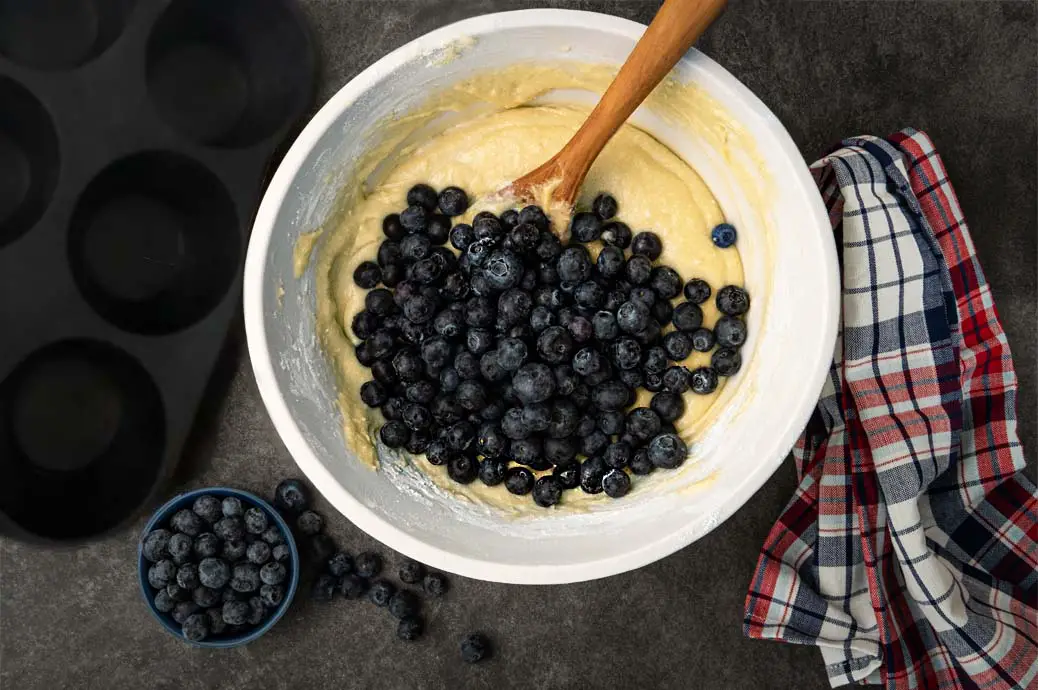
791, 272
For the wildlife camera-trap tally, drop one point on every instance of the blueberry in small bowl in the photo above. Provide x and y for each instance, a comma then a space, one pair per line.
207, 571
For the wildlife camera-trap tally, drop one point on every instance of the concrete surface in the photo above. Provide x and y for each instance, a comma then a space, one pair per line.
963, 71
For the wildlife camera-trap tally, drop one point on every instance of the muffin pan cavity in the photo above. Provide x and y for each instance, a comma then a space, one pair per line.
225, 73
29, 159
134, 140
154, 243
82, 435
59, 34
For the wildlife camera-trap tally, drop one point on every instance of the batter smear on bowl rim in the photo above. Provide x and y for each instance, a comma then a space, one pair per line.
650, 204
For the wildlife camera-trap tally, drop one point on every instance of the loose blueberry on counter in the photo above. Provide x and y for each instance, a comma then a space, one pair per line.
723, 235
323, 590
368, 564
353, 586
403, 604
435, 584
309, 523
411, 572
339, 564
474, 648
381, 592
410, 628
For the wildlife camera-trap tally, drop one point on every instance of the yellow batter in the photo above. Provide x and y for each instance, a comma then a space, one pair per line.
655, 189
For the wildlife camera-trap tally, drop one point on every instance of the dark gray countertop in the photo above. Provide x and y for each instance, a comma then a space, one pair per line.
965, 72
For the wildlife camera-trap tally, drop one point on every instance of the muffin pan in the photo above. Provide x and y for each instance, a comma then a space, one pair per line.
134, 140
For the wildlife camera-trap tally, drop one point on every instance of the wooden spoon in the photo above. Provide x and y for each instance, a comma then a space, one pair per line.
672, 32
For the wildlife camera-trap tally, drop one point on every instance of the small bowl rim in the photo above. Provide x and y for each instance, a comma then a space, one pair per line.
164, 513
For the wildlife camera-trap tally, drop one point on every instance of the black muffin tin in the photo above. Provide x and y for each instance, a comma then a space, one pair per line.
135, 136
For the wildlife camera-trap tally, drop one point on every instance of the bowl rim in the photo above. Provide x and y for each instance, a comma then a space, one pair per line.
366, 518
165, 512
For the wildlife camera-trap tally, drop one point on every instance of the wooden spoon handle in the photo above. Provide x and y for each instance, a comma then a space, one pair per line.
672, 32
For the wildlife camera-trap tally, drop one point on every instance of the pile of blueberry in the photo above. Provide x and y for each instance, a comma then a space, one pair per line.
520, 354
219, 568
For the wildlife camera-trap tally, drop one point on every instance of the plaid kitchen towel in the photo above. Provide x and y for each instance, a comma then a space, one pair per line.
909, 553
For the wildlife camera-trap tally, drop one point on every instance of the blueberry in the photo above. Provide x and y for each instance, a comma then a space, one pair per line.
647, 244
665, 282
511, 353
604, 206
258, 552
704, 380
547, 491
435, 584
627, 353
410, 628
422, 195
524, 237
195, 627
207, 507
291, 496
669, 406
453, 201
256, 611
605, 326
187, 522
535, 216
616, 234
487, 226
462, 469
414, 248
438, 228
676, 379
702, 340
420, 309
403, 604
509, 218
272, 596
353, 586
643, 294
548, 248
638, 270
205, 597
272, 573
610, 395
537, 416
574, 265
309, 523
677, 345
445, 411
245, 577
187, 576
255, 521
655, 360
632, 316
282, 553
479, 341
368, 564
414, 219
180, 547
564, 418
234, 549
217, 625
272, 535
395, 433
389, 254
514, 306
323, 590
449, 380
642, 423
367, 275
667, 451
726, 362
610, 262
723, 235
339, 564
411, 572
162, 573
568, 475
408, 365
732, 300
730, 331
611, 422
617, 455
589, 295
519, 481
588, 362
176, 593
163, 602
392, 228
640, 463
566, 380
585, 227
616, 483
184, 610
591, 472
555, 344
380, 592
364, 325
632, 378
474, 648
392, 275
534, 383
235, 612
530, 452
503, 269
321, 547
460, 435
420, 392
155, 545
687, 317
662, 311
462, 235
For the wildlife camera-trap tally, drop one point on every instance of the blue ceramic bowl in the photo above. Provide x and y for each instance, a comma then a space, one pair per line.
162, 517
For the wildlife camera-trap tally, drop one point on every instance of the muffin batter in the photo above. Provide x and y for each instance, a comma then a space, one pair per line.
655, 189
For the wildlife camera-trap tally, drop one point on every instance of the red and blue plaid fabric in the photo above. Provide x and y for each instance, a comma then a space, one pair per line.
909, 553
